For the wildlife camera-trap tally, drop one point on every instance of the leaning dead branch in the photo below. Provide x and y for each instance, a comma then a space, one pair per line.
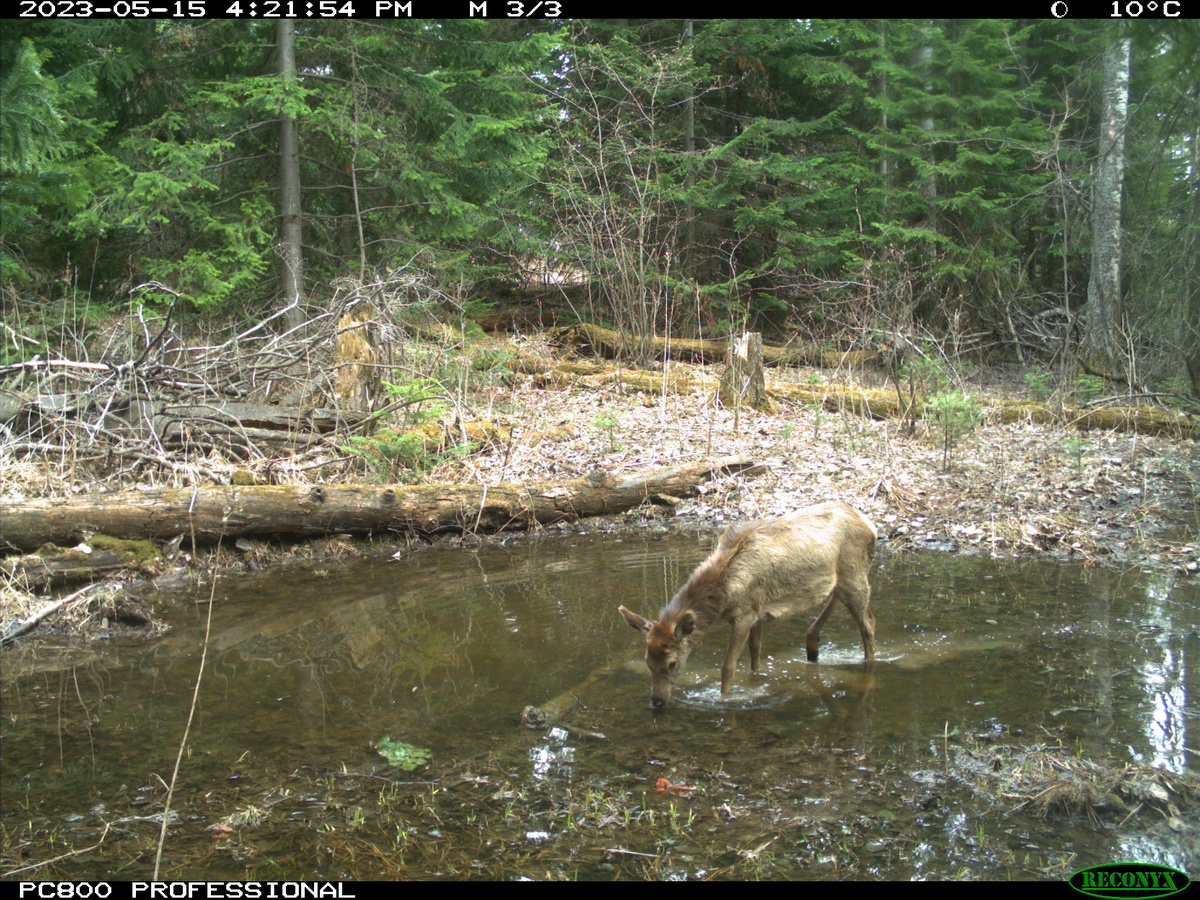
30, 622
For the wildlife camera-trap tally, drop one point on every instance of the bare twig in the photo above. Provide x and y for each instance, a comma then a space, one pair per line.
49, 862
31, 622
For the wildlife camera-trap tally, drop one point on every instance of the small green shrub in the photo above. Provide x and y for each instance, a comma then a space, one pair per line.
388, 453
607, 423
415, 393
955, 415
1088, 387
1077, 449
1038, 381
930, 372
394, 457
402, 446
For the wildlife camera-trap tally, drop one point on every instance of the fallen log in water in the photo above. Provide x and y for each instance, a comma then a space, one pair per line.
554, 710
212, 513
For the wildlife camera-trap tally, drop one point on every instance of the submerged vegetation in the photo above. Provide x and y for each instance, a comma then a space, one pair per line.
488, 818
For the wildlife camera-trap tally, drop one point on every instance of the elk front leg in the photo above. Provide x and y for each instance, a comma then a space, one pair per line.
755, 645
742, 628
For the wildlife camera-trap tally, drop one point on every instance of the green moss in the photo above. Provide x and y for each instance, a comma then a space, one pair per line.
139, 553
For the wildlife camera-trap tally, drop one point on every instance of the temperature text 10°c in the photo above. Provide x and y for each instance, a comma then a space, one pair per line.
1133, 9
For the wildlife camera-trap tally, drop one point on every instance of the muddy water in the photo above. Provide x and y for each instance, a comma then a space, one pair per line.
988, 673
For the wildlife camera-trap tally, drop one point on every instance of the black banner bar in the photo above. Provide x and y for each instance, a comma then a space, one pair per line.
548, 10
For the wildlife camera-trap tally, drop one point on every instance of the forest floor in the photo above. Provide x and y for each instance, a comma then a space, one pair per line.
1004, 489
1014, 489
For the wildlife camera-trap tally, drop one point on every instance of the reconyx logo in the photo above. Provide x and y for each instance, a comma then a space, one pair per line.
1129, 881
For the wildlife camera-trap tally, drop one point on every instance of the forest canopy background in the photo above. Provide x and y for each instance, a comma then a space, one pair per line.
847, 178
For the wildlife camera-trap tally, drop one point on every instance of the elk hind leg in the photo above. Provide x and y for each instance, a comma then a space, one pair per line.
755, 645
858, 601
813, 638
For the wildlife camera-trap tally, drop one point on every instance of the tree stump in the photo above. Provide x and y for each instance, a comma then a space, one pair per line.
743, 383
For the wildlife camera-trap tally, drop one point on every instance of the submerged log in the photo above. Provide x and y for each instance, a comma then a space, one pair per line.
212, 513
555, 710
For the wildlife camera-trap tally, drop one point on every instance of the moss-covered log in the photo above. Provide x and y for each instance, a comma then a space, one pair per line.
885, 404
862, 401
99, 556
836, 398
1140, 419
605, 342
210, 513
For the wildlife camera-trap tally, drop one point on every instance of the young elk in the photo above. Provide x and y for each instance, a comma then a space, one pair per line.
762, 571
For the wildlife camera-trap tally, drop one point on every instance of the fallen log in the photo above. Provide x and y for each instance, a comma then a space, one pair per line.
877, 404
555, 710
1140, 419
605, 342
885, 404
54, 565
212, 513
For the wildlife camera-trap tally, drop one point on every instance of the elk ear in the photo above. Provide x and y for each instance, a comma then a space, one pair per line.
635, 621
685, 626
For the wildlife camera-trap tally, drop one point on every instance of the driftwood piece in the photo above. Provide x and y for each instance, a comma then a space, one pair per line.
556, 709
211, 513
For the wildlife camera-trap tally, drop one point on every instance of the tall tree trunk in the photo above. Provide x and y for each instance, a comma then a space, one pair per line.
356, 89
1099, 351
290, 217
1191, 283
881, 89
689, 180
922, 57
923, 63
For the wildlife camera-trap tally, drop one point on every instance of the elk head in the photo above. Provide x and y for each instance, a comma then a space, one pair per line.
667, 649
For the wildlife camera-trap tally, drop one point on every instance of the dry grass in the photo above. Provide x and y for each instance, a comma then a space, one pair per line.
1052, 781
